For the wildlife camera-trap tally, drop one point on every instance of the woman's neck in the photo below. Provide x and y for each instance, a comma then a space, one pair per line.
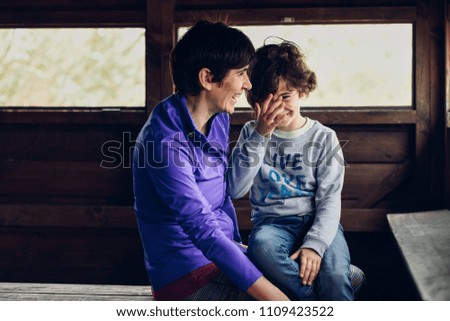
199, 112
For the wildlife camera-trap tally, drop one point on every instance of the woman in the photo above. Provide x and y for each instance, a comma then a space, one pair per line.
186, 220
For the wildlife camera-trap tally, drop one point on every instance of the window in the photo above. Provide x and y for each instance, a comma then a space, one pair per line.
83, 67
357, 65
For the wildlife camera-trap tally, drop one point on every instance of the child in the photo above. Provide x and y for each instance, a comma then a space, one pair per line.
294, 169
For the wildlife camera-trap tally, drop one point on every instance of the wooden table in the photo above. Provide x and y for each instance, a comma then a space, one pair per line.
73, 292
424, 241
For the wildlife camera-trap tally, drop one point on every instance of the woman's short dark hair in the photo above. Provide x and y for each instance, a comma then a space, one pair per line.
278, 61
211, 45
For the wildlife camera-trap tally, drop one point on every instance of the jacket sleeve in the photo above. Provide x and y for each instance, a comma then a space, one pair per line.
330, 179
246, 160
173, 174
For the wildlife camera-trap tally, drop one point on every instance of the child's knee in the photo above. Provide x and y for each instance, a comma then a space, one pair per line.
261, 247
337, 278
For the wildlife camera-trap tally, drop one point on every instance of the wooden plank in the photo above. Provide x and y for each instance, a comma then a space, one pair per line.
340, 116
401, 198
160, 40
80, 179
153, 43
75, 251
361, 179
353, 220
360, 144
372, 146
67, 216
87, 143
112, 217
363, 184
71, 4
422, 100
437, 101
75, 18
168, 42
387, 185
72, 116
364, 220
73, 292
93, 289
267, 3
247, 15
68, 297
447, 132
424, 240
71, 255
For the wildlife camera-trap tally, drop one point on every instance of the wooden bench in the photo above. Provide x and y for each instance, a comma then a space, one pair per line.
424, 241
73, 292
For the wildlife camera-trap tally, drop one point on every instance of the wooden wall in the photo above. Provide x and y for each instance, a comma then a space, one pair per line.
64, 218
447, 136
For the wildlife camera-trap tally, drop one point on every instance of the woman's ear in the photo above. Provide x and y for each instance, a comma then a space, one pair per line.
205, 78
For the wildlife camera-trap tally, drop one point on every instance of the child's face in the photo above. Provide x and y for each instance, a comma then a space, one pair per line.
291, 99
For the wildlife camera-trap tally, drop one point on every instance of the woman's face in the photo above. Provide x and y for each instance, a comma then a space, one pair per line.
224, 94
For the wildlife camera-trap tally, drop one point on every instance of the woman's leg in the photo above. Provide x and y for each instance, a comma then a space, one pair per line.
220, 289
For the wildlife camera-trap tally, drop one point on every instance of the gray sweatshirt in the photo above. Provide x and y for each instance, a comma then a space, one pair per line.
291, 173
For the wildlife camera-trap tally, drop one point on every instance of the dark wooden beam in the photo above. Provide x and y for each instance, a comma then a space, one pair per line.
40, 18
447, 131
73, 116
437, 103
301, 15
67, 216
159, 43
353, 220
196, 4
401, 173
343, 117
71, 4
422, 102
122, 217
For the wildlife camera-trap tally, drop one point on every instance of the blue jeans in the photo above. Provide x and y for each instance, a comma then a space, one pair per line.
273, 240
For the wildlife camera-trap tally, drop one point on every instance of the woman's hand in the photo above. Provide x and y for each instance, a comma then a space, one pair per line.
309, 261
269, 115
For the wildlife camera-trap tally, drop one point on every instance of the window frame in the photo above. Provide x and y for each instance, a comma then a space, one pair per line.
157, 53
341, 15
67, 18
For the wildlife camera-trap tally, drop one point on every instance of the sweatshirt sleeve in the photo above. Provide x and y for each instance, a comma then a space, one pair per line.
173, 174
330, 179
246, 159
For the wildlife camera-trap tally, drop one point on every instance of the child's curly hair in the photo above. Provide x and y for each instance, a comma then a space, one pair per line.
278, 61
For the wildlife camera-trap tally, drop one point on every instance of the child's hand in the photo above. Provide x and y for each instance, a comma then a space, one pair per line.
309, 262
269, 115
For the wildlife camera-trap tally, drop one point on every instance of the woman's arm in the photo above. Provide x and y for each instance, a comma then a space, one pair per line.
178, 187
172, 173
263, 290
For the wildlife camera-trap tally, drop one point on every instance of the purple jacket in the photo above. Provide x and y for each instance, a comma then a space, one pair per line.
185, 218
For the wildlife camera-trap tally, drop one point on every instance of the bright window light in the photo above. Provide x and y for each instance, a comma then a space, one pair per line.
86, 67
